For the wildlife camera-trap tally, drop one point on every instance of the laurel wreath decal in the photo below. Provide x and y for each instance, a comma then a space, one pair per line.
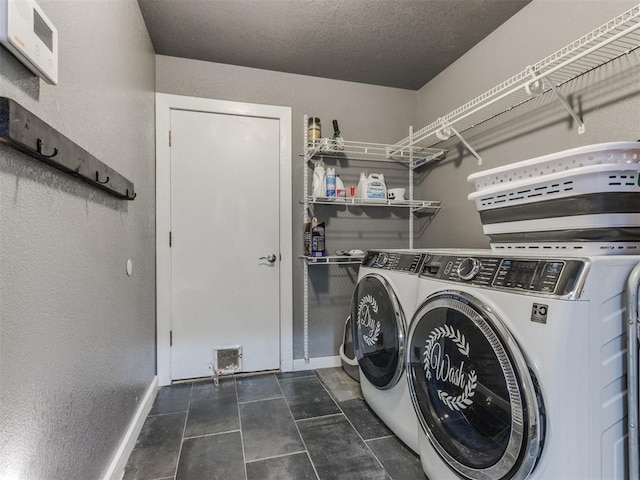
368, 300
462, 401
368, 303
445, 331
372, 338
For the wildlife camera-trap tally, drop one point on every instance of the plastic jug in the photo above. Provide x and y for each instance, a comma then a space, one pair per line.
318, 186
375, 188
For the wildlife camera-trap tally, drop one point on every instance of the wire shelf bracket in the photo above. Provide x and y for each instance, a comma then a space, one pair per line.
444, 133
569, 108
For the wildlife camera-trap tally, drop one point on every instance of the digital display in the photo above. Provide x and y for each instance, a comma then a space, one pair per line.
43, 32
519, 273
405, 262
529, 275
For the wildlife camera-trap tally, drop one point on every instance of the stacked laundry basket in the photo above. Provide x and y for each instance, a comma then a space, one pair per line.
582, 199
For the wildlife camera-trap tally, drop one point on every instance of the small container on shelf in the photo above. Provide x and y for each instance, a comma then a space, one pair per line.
340, 191
314, 129
314, 239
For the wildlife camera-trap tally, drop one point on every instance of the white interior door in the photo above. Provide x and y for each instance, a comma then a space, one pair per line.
224, 217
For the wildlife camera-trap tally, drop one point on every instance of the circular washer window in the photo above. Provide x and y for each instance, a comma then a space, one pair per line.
472, 390
378, 331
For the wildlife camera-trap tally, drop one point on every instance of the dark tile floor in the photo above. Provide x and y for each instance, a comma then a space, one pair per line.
311, 425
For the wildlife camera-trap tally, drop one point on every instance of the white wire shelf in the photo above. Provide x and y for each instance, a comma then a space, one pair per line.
616, 38
372, 152
415, 205
333, 259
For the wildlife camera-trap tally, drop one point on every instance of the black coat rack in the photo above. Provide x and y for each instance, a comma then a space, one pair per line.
24, 131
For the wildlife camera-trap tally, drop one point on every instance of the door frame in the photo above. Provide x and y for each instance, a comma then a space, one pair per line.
164, 104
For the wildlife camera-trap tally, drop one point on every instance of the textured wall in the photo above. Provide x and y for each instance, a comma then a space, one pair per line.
609, 99
364, 112
77, 342
609, 103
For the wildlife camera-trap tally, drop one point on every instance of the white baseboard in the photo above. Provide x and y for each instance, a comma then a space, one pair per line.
119, 461
317, 362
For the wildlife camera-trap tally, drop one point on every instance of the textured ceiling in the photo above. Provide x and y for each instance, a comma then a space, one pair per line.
397, 43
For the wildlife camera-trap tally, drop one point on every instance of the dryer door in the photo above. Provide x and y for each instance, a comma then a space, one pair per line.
472, 390
378, 331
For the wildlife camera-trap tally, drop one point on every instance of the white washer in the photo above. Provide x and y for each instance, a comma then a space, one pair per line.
382, 304
516, 366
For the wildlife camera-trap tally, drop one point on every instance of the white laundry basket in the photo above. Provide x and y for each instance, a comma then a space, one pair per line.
586, 198
348, 354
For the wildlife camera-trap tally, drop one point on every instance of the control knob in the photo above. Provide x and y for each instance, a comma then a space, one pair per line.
468, 268
382, 259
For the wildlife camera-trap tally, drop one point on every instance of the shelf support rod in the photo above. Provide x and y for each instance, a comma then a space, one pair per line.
411, 192
444, 133
569, 108
306, 311
305, 299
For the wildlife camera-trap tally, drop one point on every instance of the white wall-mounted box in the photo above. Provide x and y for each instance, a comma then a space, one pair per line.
28, 33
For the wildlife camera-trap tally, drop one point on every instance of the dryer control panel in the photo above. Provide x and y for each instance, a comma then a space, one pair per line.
557, 277
396, 261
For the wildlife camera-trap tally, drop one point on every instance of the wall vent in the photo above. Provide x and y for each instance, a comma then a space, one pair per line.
227, 360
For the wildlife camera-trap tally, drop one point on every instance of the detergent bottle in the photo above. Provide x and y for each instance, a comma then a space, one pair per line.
375, 188
318, 186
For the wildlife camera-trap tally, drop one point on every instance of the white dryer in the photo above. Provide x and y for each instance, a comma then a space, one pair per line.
516, 366
382, 304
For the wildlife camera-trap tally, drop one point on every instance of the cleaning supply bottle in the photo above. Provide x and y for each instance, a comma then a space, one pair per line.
360, 189
375, 188
340, 191
338, 141
331, 182
318, 186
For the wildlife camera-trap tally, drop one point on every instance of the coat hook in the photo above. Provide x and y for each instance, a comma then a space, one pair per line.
98, 179
131, 197
40, 143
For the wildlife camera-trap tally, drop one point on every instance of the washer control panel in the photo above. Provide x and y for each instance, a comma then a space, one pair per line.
396, 261
539, 275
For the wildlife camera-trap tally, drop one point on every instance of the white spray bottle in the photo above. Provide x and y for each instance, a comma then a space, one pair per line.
318, 186
360, 190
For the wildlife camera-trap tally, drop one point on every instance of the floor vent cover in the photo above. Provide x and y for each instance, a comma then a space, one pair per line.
227, 360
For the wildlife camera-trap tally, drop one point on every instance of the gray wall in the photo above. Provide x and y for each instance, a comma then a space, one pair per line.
365, 113
77, 336
609, 99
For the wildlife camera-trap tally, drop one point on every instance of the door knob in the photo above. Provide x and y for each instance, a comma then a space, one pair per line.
269, 258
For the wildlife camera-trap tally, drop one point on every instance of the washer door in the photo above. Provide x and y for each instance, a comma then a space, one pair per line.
472, 390
378, 331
